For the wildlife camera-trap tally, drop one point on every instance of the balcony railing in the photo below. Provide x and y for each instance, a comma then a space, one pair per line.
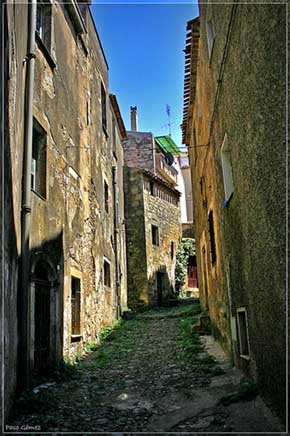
166, 171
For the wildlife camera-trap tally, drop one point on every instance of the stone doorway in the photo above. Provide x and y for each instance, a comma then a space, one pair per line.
44, 331
41, 319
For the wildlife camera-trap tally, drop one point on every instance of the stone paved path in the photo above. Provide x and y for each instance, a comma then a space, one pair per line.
146, 378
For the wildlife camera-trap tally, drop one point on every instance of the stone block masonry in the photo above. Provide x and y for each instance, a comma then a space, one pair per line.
153, 232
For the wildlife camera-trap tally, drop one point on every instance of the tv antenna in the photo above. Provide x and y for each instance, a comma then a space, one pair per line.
168, 109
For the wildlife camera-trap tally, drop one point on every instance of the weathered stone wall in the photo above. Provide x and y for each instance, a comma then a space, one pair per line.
139, 150
145, 260
79, 162
70, 229
135, 236
250, 233
166, 216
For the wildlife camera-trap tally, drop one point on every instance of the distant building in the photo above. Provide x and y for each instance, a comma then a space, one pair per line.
65, 262
234, 127
153, 227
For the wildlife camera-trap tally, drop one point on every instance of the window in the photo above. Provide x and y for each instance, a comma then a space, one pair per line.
227, 171
43, 23
75, 306
155, 235
88, 108
172, 250
106, 197
152, 188
38, 162
212, 237
104, 108
243, 333
107, 273
210, 36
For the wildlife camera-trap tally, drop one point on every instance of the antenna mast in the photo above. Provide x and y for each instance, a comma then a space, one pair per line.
169, 122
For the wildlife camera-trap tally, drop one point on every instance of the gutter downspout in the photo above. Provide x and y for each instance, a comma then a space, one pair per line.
24, 293
118, 312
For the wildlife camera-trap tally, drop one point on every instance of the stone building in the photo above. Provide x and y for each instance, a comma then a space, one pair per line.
152, 213
185, 187
64, 244
234, 127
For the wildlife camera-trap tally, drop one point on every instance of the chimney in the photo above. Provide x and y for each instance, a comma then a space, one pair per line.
134, 119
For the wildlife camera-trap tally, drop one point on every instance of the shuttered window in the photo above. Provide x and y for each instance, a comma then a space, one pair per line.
38, 162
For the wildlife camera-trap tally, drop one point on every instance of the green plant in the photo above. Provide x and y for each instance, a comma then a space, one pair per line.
193, 350
186, 248
91, 346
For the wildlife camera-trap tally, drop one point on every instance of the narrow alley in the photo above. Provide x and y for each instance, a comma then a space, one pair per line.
144, 251
151, 373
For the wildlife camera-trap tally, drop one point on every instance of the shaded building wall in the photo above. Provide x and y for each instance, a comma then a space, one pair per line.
246, 101
145, 259
13, 99
137, 282
71, 230
161, 210
79, 155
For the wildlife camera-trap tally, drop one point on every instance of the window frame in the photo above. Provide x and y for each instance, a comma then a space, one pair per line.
243, 333
75, 306
155, 236
210, 36
227, 171
45, 39
107, 273
39, 188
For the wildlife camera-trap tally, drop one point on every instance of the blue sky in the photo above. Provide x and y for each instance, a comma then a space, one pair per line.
143, 45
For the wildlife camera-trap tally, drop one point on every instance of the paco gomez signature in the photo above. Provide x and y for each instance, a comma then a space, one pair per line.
23, 427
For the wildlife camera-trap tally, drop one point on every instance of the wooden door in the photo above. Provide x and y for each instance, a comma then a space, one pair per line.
42, 325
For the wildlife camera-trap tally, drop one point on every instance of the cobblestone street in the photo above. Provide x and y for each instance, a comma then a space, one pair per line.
151, 373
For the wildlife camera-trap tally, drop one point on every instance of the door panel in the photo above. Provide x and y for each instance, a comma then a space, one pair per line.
42, 325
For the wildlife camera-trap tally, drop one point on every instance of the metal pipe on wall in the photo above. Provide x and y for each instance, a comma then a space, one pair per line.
24, 295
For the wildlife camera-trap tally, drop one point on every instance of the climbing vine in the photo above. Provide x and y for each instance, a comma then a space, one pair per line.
185, 249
